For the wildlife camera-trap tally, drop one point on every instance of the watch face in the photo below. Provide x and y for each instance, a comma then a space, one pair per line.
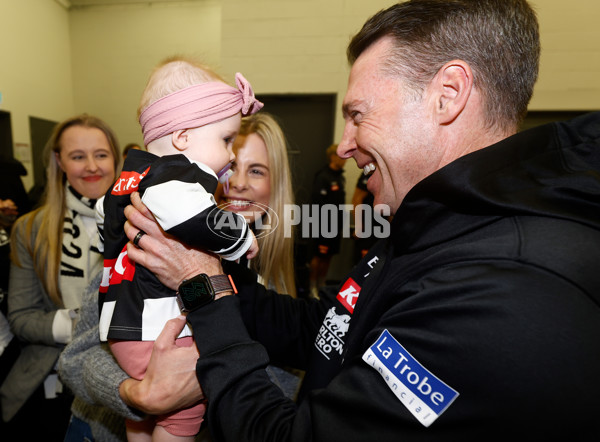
196, 292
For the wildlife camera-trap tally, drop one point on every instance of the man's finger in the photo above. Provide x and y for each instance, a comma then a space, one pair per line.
130, 230
136, 200
140, 222
172, 329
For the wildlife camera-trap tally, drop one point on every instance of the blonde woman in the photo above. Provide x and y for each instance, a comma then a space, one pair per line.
259, 187
54, 255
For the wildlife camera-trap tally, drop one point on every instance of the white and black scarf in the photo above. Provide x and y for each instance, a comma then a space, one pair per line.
80, 259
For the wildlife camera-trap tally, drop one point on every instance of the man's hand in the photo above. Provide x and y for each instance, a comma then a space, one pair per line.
170, 382
170, 260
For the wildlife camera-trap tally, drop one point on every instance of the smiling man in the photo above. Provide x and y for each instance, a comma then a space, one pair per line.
478, 318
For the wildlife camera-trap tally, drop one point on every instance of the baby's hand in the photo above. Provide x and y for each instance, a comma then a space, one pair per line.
253, 250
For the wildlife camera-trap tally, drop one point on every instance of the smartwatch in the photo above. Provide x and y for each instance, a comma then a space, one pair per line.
201, 290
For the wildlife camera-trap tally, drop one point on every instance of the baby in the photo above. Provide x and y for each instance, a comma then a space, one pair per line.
189, 118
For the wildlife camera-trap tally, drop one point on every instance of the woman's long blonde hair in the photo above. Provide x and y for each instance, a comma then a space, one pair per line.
46, 247
275, 260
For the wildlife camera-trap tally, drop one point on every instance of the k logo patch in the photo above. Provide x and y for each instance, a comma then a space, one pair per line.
348, 294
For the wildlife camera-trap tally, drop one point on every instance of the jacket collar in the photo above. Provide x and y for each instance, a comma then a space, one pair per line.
551, 170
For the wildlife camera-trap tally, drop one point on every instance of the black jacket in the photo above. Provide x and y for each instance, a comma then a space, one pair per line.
490, 280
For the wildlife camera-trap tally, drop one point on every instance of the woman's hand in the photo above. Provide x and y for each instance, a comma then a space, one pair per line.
170, 260
170, 382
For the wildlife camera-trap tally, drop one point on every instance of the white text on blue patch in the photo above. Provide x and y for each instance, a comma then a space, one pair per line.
421, 392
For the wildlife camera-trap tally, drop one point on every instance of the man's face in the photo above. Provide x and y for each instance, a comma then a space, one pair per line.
388, 129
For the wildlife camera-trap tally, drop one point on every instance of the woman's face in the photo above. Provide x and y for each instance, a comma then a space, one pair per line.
250, 184
87, 160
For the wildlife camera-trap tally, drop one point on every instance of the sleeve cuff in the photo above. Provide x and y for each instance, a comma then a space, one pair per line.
62, 326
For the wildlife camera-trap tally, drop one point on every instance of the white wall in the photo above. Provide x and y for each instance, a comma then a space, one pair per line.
114, 49
296, 46
293, 46
35, 68
300, 46
570, 61
281, 46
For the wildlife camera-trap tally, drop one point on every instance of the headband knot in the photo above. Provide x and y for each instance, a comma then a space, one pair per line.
250, 104
196, 106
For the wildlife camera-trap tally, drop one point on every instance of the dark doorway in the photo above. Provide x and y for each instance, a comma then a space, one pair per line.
308, 122
6, 142
40, 130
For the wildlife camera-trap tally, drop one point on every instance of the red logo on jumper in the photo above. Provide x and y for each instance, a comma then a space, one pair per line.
128, 182
117, 270
348, 295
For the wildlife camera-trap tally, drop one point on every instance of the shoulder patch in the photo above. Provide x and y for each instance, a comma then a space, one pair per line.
128, 182
348, 294
420, 391
330, 339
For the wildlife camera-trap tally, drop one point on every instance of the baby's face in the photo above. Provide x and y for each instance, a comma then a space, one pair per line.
212, 144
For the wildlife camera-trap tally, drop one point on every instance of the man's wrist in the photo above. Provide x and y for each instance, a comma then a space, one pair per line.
136, 395
126, 391
223, 294
203, 289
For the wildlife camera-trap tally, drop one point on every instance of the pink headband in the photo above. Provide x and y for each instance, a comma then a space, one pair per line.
197, 105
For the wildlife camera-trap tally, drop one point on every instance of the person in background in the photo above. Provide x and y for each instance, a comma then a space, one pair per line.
328, 189
259, 189
11, 186
130, 146
364, 218
13, 202
54, 252
477, 319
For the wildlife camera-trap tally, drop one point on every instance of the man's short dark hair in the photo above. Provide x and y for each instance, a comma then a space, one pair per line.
499, 39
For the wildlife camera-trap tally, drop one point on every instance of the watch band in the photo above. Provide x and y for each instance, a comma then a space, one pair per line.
200, 290
221, 283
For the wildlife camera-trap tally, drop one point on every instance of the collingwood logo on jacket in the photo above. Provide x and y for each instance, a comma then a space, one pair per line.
330, 339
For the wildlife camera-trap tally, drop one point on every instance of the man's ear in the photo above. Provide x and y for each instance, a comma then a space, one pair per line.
181, 139
452, 88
